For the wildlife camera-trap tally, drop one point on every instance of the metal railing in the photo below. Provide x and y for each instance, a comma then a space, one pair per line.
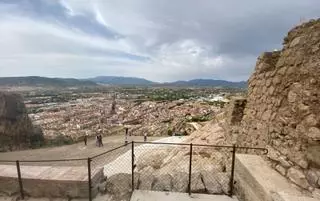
192, 154
190, 162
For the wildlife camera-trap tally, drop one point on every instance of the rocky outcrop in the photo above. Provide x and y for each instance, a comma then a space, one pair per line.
118, 186
283, 106
166, 168
235, 110
16, 129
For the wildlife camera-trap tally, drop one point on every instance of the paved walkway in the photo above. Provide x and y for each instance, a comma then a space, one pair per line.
139, 195
77, 150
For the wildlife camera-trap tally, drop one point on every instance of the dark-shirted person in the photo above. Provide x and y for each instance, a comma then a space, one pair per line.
100, 141
145, 137
85, 139
126, 136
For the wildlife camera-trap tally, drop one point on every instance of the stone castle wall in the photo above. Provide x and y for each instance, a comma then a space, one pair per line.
283, 107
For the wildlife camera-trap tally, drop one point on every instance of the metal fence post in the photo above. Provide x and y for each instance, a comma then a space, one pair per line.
132, 166
89, 179
232, 170
20, 180
190, 169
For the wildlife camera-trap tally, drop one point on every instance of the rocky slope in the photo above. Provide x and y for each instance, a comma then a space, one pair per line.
165, 168
282, 110
16, 129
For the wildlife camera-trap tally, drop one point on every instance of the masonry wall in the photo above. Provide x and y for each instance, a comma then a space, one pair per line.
283, 107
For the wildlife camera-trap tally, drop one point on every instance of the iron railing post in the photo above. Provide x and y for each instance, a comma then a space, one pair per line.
232, 170
190, 169
89, 179
20, 180
132, 166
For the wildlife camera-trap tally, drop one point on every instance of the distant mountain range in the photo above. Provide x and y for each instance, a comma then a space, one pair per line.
210, 82
44, 82
112, 80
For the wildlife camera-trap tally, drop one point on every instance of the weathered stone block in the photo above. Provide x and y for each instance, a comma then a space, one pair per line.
281, 170
180, 182
197, 185
313, 155
298, 177
312, 177
314, 133
162, 183
210, 182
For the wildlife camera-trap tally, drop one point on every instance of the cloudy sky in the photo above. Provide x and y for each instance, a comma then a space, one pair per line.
161, 40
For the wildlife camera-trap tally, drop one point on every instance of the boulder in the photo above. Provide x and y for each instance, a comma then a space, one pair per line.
162, 183
298, 177
119, 186
211, 184
197, 185
180, 181
314, 133
153, 159
146, 178
313, 177
316, 193
313, 155
281, 170
284, 162
224, 179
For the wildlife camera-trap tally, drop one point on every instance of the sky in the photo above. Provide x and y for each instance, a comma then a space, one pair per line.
160, 40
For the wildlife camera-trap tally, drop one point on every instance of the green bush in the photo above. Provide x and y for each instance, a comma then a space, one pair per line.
60, 140
36, 139
199, 118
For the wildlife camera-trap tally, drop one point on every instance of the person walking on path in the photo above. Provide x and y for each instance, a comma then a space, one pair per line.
85, 139
145, 137
126, 136
97, 140
100, 141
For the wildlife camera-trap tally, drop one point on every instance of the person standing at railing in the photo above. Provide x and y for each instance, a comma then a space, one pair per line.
126, 136
145, 137
100, 141
85, 139
97, 140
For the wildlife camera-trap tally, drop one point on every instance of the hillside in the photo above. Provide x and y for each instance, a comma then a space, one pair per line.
210, 82
114, 80
44, 82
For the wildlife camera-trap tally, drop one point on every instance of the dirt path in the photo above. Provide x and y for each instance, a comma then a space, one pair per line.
73, 151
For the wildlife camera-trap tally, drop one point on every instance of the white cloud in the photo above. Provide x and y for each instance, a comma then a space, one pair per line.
159, 40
